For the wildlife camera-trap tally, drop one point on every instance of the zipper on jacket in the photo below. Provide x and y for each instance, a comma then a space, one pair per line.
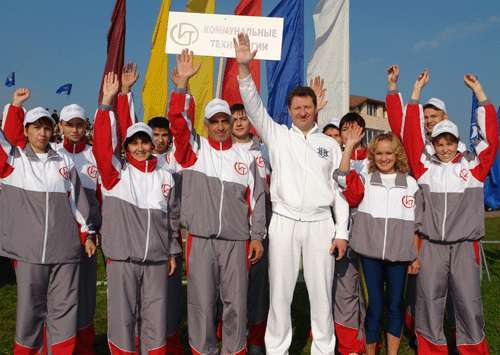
46, 230
387, 192
221, 192
149, 221
443, 230
305, 176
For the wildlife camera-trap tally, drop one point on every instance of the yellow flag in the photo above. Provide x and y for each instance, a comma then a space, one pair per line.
155, 89
201, 86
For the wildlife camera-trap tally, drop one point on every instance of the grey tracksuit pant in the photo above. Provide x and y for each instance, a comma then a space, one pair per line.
217, 265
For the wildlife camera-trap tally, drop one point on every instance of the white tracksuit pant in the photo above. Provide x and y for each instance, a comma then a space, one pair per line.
288, 240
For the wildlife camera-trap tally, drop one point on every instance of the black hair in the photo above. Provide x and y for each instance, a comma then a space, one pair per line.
159, 122
450, 138
352, 117
237, 107
302, 91
44, 119
143, 136
329, 126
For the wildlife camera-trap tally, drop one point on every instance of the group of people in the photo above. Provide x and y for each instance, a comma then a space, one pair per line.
259, 200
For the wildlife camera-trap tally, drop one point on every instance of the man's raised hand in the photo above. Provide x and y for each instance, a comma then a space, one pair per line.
129, 77
318, 86
473, 83
185, 69
392, 77
110, 88
422, 80
244, 55
20, 96
242, 48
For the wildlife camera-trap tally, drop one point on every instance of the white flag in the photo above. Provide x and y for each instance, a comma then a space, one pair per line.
330, 58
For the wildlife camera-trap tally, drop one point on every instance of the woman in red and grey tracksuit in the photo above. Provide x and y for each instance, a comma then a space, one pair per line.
42, 196
452, 222
165, 158
136, 232
76, 149
223, 209
349, 306
383, 230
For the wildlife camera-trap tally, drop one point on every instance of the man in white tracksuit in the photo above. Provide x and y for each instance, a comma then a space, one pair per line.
302, 193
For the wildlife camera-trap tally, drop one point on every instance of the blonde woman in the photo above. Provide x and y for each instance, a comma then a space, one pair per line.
383, 231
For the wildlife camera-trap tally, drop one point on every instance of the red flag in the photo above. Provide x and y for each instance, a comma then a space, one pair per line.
230, 89
116, 42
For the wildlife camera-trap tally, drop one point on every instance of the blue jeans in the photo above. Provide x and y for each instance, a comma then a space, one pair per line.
377, 272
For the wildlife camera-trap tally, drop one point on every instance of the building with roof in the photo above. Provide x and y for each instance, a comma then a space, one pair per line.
374, 113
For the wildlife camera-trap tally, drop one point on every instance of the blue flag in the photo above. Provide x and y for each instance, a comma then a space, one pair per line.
10, 80
286, 74
65, 89
492, 182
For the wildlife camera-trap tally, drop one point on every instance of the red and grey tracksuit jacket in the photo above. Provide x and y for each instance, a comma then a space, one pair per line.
53, 198
386, 231
135, 193
452, 192
452, 222
222, 194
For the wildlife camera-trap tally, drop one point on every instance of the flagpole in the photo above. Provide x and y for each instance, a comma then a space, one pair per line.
222, 61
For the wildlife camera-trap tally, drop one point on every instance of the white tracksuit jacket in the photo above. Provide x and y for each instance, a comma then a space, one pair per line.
308, 193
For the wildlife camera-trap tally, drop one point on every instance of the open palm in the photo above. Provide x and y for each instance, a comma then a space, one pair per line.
244, 55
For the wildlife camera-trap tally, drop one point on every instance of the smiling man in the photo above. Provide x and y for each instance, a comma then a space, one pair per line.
302, 194
223, 208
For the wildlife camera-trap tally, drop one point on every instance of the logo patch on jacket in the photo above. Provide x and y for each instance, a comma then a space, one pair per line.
92, 171
408, 201
64, 172
322, 152
260, 161
464, 174
165, 189
241, 168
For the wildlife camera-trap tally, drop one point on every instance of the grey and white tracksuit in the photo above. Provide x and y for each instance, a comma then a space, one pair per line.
136, 240
44, 215
223, 209
452, 223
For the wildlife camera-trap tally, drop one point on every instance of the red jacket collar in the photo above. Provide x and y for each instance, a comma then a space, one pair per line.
359, 154
150, 164
75, 148
227, 144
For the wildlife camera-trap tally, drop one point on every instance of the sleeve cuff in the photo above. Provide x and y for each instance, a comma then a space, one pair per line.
246, 80
483, 103
105, 107
392, 92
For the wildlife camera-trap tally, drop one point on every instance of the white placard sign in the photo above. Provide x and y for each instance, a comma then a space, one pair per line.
212, 34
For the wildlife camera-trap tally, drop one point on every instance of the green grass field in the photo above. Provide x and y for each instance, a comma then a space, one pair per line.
300, 308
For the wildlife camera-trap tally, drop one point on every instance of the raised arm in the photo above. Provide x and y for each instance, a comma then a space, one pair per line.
125, 103
256, 112
181, 110
413, 134
349, 180
394, 102
13, 118
487, 121
105, 134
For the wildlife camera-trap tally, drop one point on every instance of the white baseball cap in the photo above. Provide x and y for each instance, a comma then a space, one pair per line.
139, 127
72, 111
35, 114
216, 106
437, 103
445, 126
334, 121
